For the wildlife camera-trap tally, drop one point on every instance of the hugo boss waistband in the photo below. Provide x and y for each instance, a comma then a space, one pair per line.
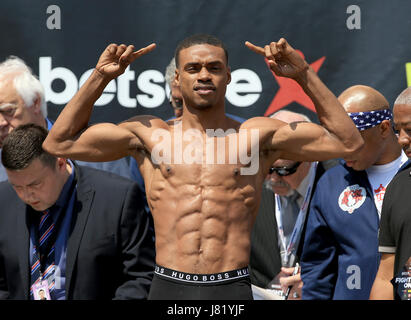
201, 278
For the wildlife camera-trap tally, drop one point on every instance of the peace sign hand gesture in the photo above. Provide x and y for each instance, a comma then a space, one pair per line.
282, 58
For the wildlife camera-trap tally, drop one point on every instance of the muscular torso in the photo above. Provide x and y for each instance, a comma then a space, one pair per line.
204, 211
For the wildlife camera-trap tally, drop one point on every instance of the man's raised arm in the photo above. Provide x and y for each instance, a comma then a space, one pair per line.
284, 61
70, 135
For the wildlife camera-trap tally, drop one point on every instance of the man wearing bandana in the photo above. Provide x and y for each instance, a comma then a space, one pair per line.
340, 255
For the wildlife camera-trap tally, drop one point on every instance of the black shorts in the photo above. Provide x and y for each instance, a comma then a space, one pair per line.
169, 284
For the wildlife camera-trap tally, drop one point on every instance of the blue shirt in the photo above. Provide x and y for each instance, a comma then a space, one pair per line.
340, 256
65, 200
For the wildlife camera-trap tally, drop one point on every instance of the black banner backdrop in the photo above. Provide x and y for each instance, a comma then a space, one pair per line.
347, 42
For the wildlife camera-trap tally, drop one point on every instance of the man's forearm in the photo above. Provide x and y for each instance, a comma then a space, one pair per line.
381, 290
329, 110
76, 114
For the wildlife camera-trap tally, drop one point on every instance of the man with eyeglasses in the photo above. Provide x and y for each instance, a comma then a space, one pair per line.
340, 255
281, 221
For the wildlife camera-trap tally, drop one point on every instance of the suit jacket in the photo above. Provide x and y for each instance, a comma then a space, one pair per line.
110, 249
265, 258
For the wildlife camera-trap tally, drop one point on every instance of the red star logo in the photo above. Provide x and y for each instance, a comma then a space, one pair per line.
291, 91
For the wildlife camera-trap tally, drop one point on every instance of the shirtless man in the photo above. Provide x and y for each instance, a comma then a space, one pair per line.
203, 210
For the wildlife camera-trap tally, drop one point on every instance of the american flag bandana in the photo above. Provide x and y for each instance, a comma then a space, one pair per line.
368, 119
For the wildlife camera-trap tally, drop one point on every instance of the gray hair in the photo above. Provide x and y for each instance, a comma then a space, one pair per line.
170, 72
404, 97
27, 85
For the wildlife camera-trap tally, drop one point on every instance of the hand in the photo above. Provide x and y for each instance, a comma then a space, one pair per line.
115, 59
282, 58
287, 279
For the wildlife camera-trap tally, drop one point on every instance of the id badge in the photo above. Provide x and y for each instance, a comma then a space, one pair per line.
41, 291
275, 286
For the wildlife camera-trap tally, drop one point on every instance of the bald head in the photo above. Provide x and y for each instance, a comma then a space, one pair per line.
402, 120
289, 116
362, 98
404, 98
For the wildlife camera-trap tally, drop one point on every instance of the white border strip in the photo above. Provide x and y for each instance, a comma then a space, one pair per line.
387, 249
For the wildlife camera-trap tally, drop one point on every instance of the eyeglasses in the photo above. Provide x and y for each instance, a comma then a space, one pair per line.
285, 171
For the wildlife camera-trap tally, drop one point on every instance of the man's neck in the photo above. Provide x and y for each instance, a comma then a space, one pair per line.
391, 152
67, 172
201, 119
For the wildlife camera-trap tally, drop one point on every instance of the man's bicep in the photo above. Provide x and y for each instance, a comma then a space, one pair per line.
305, 141
102, 142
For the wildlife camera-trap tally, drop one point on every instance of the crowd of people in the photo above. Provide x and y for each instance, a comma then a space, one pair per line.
204, 205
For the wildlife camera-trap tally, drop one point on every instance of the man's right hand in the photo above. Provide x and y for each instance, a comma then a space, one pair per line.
287, 279
282, 58
115, 59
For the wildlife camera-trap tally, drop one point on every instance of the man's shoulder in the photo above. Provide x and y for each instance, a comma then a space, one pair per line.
5, 188
9, 201
400, 180
338, 176
404, 173
147, 121
328, 164
337, 169
263, 124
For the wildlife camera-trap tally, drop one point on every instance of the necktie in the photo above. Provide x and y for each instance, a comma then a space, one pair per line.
289, 215
43, 253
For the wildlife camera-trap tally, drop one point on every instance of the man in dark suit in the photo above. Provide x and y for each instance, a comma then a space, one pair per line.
76, 232
288, 190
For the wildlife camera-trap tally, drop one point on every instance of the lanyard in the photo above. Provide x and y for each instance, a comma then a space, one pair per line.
288, 252
60, 217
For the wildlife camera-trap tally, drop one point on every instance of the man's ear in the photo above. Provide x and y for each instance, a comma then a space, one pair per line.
385, 128
61, 163
177, 78
37, 105
228, 74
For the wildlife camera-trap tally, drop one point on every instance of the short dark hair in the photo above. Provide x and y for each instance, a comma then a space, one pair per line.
23, 145
200, 38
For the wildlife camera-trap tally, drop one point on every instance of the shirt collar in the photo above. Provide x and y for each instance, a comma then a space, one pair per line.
303, 187
49, 124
